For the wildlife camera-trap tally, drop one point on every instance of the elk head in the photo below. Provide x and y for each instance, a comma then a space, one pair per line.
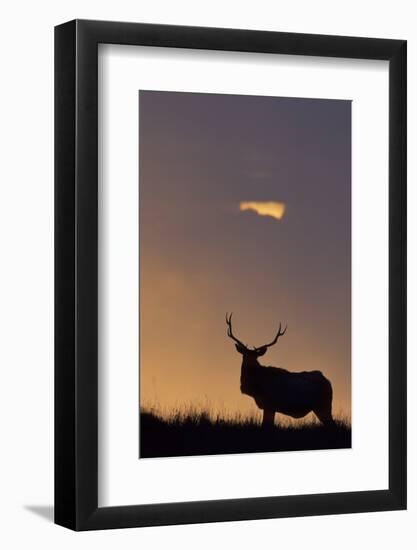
250, 356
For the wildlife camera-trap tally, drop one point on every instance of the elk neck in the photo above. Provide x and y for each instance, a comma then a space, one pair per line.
249, 376
250, 362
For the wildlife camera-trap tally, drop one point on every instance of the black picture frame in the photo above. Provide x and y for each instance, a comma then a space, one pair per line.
76, 273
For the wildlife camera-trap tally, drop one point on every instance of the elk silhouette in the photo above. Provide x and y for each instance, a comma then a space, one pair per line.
278, 390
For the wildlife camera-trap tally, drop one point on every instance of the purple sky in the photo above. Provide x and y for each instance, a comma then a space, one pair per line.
200, 156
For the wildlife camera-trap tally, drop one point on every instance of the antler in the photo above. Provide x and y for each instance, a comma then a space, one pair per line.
229, 330
274, 341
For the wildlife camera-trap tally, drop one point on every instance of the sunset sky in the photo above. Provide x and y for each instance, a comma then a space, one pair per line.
202, 254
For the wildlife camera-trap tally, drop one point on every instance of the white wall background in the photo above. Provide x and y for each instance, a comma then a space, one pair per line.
26, 277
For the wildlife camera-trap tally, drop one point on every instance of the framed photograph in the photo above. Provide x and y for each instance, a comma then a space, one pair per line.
230, 275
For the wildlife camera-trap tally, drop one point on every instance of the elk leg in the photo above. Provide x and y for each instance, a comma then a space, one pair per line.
325, 416
268, 418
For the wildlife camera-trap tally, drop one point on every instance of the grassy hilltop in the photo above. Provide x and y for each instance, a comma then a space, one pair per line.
199, 433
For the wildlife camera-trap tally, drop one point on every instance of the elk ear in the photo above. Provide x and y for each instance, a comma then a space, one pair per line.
240, 348
261, 351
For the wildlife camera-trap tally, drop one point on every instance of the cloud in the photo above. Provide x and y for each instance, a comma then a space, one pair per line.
270, 208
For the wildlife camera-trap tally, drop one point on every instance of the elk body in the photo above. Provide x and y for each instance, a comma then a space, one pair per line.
277, 390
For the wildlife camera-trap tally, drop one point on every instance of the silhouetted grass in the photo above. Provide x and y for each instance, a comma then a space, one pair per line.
199, 433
